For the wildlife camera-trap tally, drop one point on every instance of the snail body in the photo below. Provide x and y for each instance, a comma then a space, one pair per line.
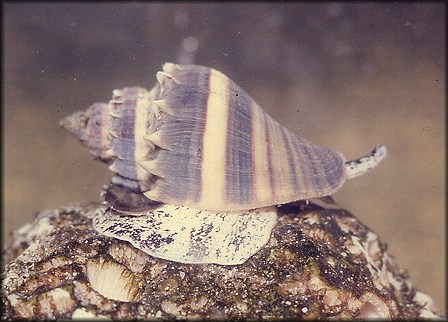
213, 161
196, 139
187, 235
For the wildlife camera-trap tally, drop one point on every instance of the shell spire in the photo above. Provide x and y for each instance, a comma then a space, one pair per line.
90, 127
199, 140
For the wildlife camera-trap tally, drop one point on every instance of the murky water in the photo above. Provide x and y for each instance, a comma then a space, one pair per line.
346, 76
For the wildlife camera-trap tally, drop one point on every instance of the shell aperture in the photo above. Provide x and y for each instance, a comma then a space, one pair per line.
197, 139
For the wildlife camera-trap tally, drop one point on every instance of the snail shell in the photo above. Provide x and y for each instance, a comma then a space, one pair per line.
200, 145
197, 139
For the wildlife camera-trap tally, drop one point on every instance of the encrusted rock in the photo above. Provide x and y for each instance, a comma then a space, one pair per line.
320, 262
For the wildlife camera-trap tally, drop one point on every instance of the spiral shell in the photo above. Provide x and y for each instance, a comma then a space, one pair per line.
197, 139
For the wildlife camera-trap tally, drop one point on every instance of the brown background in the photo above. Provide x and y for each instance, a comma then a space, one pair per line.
346, 76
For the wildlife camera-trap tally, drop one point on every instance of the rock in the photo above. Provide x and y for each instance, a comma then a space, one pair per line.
320, 262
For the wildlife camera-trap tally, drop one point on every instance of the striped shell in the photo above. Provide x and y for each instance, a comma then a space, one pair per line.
197, 139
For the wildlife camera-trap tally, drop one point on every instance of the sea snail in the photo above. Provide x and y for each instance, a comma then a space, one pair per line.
198, 140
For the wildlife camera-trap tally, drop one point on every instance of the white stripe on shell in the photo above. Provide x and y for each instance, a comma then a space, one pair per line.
260, 156
214, 146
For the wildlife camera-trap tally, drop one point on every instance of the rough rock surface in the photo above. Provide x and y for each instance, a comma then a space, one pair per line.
320, 262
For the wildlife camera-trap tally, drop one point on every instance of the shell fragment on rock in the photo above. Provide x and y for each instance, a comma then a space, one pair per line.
112, 280
197, 139
193, 236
